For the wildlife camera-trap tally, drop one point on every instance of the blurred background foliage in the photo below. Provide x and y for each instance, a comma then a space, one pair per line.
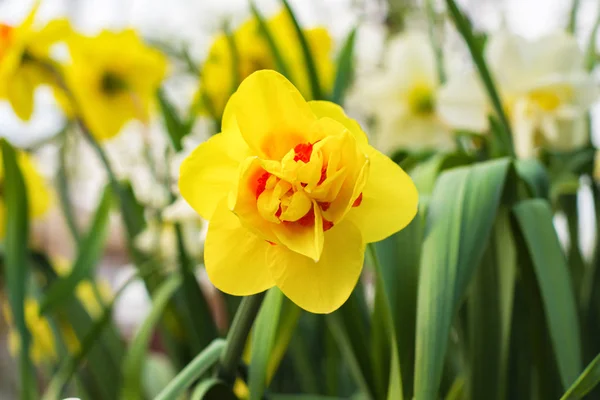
492, 292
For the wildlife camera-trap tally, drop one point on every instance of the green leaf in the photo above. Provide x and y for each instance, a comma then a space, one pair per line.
199, 366
213, 389
93, 336
461, 214
309, 62
506, 262
485, 329
266, 33
465, 29
425, 173
288, 321
350, 334
302, 397
535, 176
196, 313
15, 260
585, 382
385, 354
263, 340
134, 359
343, 76
534, 218
176, 128
157, 373
399, 257
89, 254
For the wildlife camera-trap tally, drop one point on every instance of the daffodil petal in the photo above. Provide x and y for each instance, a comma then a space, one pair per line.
389, 199
235, 258
271, 114
206, 175
320, 287
333, 111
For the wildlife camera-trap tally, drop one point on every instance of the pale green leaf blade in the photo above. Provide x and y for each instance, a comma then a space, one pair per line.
460, 218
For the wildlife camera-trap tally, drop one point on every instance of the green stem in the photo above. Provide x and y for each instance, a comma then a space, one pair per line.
435, 43
464, 28
64, 192
237, 336
573, 16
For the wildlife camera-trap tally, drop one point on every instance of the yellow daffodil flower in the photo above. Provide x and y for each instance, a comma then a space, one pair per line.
253, 54
23, 51
544, 88
292, 192
402, 97
38, 194
113, 78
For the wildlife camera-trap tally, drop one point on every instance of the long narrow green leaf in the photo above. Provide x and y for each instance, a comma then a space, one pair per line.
585, 382
134, 360
343, 76
201, 328
263, 340
15, 259
309, 61
199, 366
485, 330
461, 214
288, 321
350, 334
534, 218
176, 128
62, 183
399, 257
266, 33
88, 255
506, 261
69, 365
464, 27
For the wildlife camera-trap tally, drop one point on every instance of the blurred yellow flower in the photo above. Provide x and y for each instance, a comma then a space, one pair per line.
113, 78
43, 341
39, 195
402, 97
42, 348
253, 54
23, 51
544, 87
293, 192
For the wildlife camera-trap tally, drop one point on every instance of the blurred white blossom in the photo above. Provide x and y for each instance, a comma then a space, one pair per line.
544, 87
401, 97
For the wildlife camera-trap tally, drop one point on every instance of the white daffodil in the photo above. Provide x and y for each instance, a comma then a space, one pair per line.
401, 97
544, 88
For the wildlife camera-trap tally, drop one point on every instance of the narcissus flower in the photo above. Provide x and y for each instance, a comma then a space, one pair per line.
113, 78
402, 97
293, 192
23, 50
544, 88
39, 197
253, 54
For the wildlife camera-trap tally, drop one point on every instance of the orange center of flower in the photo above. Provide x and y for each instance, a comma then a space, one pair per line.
295, 203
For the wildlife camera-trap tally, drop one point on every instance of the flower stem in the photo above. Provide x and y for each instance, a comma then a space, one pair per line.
464, 28
237, 336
